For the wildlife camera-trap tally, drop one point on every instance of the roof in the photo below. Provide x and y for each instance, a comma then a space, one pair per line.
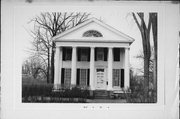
119, 35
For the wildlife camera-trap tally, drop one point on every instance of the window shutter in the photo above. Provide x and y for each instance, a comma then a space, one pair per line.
89, 52
119, 54
105, 54
122, 78
95, 54
79, 54
88, 77
78, 78
116, 52
70, 54
62, 76
64, 53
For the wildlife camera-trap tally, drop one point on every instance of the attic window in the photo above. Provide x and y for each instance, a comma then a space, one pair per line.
92, 33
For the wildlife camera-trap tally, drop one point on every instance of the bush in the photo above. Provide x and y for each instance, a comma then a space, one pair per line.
137, 94
41, 90
36, 92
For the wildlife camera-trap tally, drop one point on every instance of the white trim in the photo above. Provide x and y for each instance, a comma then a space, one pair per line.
104, 86
98, 39
92, 44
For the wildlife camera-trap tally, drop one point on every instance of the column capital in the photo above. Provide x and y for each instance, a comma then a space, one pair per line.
127, 48
92, 47
74, 46
110, 47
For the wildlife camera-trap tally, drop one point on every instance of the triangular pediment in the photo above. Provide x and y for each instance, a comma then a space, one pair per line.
108, 33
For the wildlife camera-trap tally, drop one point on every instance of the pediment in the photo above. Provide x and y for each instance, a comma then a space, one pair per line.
107, 33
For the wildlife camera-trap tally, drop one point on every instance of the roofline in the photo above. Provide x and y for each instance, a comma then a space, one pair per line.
90, 40
97, 21
72, 29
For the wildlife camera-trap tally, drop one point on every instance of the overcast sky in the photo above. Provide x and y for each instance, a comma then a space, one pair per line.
116, 16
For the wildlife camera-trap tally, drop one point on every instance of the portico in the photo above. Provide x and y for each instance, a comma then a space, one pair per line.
98, 58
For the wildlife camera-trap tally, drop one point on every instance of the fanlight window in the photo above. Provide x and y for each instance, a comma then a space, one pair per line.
92, 33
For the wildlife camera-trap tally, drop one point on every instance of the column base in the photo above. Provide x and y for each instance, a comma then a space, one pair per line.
92, 88
110, 89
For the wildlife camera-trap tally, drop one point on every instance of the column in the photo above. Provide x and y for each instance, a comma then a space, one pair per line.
58, 65
110, 67
126, 70
73, 66
92, 69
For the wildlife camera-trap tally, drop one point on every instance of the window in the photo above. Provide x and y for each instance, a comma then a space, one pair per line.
116, 77
66, 76
83, 77
116, 55
101, 54
92, 33
67, 53
122, 78
83, 54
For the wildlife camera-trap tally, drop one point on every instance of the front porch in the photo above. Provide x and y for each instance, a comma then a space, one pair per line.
98, 68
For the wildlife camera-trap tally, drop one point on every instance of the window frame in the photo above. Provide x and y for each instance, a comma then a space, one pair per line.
92, 33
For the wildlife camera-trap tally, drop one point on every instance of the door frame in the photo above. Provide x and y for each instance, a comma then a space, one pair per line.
105, 77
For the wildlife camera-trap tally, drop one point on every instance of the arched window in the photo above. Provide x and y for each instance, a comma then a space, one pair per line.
92, 33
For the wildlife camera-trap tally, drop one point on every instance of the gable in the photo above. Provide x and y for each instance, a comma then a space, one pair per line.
108, 33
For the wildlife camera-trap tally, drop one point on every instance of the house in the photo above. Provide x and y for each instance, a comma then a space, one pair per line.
92, 54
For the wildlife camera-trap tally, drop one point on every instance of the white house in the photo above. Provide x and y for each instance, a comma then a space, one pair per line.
93, 54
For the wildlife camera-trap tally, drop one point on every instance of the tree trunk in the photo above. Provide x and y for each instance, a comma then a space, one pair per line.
145, 33
48, 78
154, 31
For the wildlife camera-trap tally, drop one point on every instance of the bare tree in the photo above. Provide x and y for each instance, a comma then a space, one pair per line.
145, 34
48, 25
34, 67
151, 62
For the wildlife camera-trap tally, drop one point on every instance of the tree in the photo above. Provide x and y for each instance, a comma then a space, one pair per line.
34, 67
145, 34
48, 25
151, 62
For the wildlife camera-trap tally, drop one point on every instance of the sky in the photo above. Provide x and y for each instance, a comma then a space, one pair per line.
116, 16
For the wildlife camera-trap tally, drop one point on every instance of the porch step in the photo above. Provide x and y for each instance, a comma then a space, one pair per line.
101, 94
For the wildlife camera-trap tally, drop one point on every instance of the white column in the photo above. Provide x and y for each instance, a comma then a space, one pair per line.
58, 65
73, 66
92, 69
126, 66
110, 68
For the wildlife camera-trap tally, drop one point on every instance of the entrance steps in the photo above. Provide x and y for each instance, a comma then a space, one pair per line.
104, 94
101, 94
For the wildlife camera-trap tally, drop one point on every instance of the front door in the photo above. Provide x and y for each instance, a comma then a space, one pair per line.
100, 79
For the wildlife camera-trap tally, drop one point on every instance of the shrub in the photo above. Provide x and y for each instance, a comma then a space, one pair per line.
136, 93
37, 92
